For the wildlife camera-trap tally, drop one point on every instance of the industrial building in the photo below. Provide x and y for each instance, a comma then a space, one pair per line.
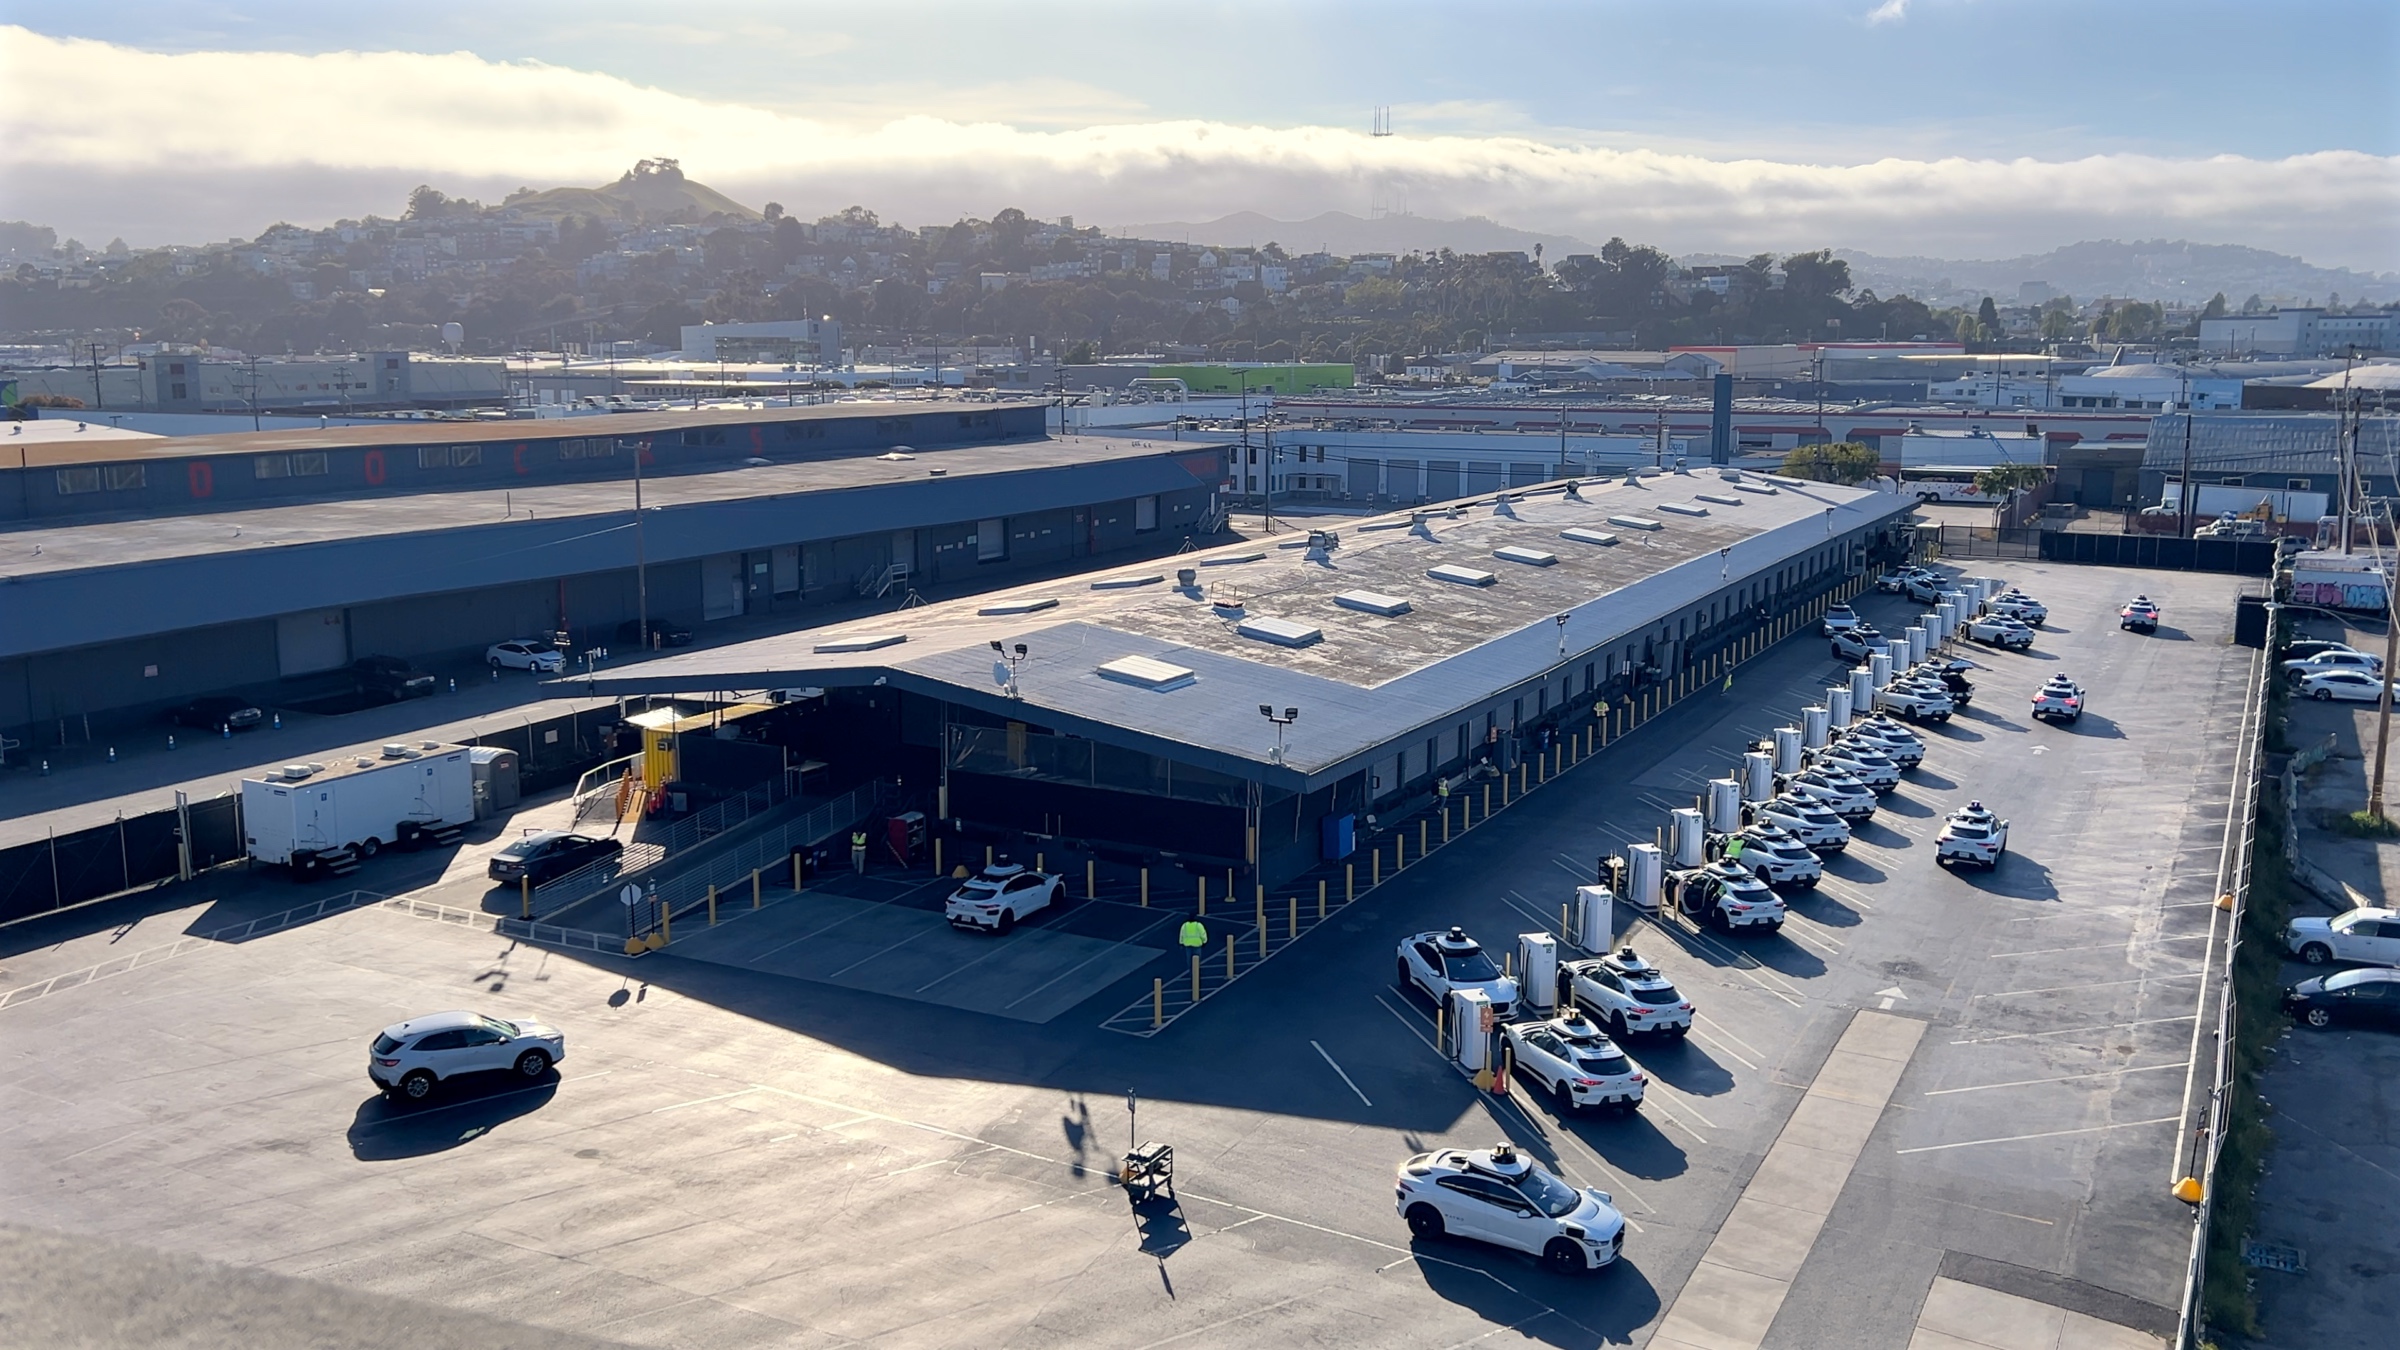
1252, 705
2270, 454
192, 381
140, 573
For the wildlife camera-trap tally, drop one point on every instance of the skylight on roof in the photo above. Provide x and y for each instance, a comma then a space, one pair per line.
1372, 602
1231, 559
1683, 508
1028, 605
1281, 632
1531, 557
1462, 576
1717, 498
1127, 583
862, 642
1581, 535
1146, 672
1636, 523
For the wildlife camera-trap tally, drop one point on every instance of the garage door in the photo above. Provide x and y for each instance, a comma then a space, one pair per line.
1400, 480
318, 639
1441, 480
1482, 478
1363, 473
721, 586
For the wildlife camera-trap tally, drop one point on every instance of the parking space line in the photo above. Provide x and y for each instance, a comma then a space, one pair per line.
2046, 1134
886, 951
1079, 965
1726, 1033
1742, 962
2092, 947
2068, 1031
1413, 1029
1329, 1063
2099, 984
1237, 1317
1845, 892
1710, 1041
2066, 1078
702, 1101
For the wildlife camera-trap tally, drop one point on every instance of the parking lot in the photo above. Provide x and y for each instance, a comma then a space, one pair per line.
854, 1136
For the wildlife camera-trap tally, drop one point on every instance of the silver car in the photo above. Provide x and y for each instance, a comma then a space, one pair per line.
408, 1059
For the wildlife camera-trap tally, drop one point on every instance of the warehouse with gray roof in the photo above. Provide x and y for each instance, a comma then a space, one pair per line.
1252, 703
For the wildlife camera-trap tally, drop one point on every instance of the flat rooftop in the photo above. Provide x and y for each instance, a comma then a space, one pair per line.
1274, 621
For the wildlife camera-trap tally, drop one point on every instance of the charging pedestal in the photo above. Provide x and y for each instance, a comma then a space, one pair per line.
1595, 918
1724, 806
1837, 707
1644, 870
1758, 776
1862, 693
1688, 836
1537, 969
1787, 749
1472, 1025
1815, 724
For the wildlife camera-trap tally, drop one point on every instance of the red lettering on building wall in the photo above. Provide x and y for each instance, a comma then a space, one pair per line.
202, 477
518, 458
374, 467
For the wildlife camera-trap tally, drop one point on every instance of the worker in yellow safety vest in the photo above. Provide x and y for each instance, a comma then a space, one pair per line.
858, 851
1194, 936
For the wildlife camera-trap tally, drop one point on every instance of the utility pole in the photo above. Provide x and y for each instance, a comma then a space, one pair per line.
2383, 701
2183, 487
2347, 450
641, 556
97, 400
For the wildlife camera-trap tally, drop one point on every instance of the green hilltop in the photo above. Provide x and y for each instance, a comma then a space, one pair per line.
653, 192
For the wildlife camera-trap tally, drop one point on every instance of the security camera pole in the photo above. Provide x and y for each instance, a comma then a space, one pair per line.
1290, 715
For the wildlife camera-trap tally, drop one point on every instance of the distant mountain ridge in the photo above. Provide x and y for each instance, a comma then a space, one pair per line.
1341, 233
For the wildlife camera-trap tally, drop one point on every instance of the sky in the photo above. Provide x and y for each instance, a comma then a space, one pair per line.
1955, 128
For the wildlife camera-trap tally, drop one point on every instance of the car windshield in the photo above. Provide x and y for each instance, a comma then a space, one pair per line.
504, 1028
1470, 967
386, 1044
1548, 1194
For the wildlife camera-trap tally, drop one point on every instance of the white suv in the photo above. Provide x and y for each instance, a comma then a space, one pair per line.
1728, 897
2371, 936
1863, 762
1776, 857
1805, 820
1834, 790
1971, 835
1499, 1196
1628, 993
410, 1057
1581, 1067
994, 899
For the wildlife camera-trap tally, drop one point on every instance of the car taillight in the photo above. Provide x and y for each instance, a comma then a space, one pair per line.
388, 1063
1641, 1078
1587, 1082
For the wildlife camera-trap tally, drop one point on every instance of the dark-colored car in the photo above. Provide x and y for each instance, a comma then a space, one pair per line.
392, 677
2307, 648
2369, 995
549, 854
217, 710
662, 634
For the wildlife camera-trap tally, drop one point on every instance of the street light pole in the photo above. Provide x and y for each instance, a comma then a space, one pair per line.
641, 557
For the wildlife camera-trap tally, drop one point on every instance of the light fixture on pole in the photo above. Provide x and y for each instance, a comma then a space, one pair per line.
1005, 669
1289, 716
1561, 621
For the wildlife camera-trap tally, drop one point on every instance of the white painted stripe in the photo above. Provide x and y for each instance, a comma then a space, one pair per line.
2046, 1134
2068, 1031
1338, 1070
2067, 1078
2098, 984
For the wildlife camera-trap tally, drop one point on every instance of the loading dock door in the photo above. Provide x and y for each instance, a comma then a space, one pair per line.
721, 586
1363, 473
317, 639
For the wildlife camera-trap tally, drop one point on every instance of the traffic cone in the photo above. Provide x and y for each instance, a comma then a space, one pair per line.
2189, 1191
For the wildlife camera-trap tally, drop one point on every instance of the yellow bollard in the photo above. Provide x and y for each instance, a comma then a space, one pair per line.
1445, 823
712, 906
1158, 1003
1399, 852
1229, 957
525, 891
1262, 920
1145, 888
795, 874
1487, 801
1563, 928
1203, 895
1041, 862
1195, 976
1229, 885
1291, 926
1423, 836
1504, 789
1375, 868
987, 855
1320, 899
937, 855
1091, 883
757, 889
1521, 771
1349, 882
666, 923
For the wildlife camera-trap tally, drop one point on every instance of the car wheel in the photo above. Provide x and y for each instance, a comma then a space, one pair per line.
1564, 1257
1564, 1096
2316, 953
495, 662
1425, 1222
369, 846
1008, 921
417, 1086
532, 1064
1400, 977
2318, 1017
1679, 1031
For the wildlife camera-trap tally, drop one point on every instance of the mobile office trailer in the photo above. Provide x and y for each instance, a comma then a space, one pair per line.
322, 819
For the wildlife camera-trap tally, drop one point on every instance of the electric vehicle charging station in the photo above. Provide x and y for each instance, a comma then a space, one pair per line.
1862, 692
1595, 916
1537, 969
1758, 776
1644, 871
1815, 727
1787, 750
1471, 1028
1916, 643
1724, 806
1689, 840
1837, 707
1879, 669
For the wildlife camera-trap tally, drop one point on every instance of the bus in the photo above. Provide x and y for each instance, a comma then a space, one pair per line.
1939, 483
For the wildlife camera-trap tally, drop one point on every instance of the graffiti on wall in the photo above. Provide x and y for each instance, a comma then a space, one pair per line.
2339, 594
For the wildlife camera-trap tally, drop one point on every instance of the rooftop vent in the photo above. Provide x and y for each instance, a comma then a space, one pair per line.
862, 642
1683, 508
395, 750
1531, 557
1636, 523
1371, 602
1580, 535
1029, 605
1461, 576
1146, 672
1717, 498
1127, 583
1281, 632
293, 773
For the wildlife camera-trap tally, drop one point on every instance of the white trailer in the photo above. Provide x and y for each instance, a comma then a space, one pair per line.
321, 819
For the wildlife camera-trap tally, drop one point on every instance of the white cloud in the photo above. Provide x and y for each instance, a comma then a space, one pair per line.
1890, 11
223, 133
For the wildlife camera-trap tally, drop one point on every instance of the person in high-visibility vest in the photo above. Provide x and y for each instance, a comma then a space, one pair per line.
858, 851
1194, 935
1733, 849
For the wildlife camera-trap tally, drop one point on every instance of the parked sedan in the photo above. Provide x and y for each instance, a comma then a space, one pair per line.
2369, 934
1439, 962
994, 899
547, 855
392, 677
2369, 995
524, 654
2350, 686
217, 711
1998, 630
1856, 644
661, 634
1840, 619
2324, 661
1500, 1197
409, 1058
2308, 647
